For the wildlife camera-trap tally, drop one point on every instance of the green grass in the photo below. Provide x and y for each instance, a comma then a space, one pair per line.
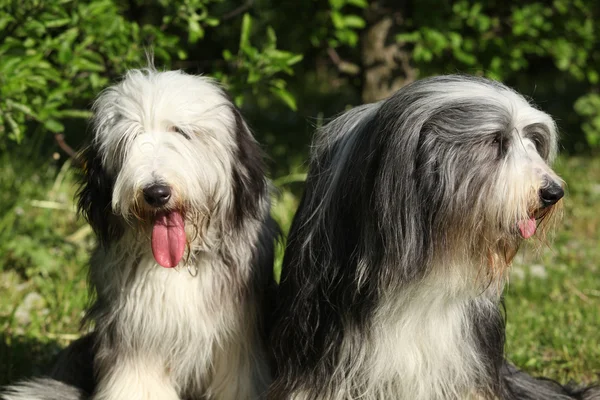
43, 253
553, 300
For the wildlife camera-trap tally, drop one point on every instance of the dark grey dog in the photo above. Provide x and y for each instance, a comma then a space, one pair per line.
397, 258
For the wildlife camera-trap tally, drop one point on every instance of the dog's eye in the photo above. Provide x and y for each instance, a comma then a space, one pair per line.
539, 144
501, 144
180, 131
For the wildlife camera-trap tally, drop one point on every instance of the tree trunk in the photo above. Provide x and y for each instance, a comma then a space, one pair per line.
385, 63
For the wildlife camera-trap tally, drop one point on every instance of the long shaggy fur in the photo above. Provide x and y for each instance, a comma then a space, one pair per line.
397, 258
196, 330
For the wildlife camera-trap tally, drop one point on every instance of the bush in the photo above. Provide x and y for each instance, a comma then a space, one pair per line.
55, 56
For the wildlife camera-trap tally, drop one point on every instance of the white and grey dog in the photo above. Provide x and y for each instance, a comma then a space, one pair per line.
393, 275
174, 187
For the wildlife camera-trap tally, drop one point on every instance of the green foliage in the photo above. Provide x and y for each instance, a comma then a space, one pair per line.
334, 23
191, 16
283, 210
588, 107
55, 56
502, 41
254, 66
499, 40
346, 25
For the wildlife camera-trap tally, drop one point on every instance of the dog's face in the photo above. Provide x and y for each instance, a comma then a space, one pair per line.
172, 151
481, 165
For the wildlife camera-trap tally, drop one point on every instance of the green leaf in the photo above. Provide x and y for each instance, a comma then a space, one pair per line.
195, 31
354, 21
294, 59
181, 54
336, 4
409, 37
227, 55
253, 77
57, 23
337, 19
239, 100
15, 129
272, 37
245, 32
54, 126
593, 76
87, 65
74, 114
285, 96
347, 36
212, 22
5, 20
21, 107
358, 3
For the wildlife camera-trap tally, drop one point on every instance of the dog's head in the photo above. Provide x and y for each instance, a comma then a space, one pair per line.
169, 150
449, 170
478, 156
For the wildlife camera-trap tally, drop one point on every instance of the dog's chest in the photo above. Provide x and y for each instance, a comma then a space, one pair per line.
171, 309
425, 349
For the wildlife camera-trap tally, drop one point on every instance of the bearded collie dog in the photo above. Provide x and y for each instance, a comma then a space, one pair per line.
397, 258
174, 187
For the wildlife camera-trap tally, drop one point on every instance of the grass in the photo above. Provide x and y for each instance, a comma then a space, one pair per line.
43, 252
553, 300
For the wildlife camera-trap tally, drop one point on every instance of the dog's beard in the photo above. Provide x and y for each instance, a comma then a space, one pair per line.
532, 229
489, 237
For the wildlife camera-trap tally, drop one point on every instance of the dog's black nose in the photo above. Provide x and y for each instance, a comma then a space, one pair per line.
157, 195
551, 193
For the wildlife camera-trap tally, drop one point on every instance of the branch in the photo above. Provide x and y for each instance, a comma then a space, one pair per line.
60, 139
343, 66
235, 12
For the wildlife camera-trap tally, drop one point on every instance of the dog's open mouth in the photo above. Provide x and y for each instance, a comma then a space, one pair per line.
168, 238
527, 227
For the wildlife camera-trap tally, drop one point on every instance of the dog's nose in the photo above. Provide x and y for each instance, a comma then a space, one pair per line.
551, 193
157, 195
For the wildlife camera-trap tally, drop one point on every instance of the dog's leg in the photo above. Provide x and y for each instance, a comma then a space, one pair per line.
75, 364
133, 379
519, 385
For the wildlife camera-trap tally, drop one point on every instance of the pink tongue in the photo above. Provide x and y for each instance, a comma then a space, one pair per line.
527, 227
168, 239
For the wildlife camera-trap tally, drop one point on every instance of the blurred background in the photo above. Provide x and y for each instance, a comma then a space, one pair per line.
290, 65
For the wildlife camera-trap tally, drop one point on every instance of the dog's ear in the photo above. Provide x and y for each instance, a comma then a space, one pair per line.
249, 182
95, 196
